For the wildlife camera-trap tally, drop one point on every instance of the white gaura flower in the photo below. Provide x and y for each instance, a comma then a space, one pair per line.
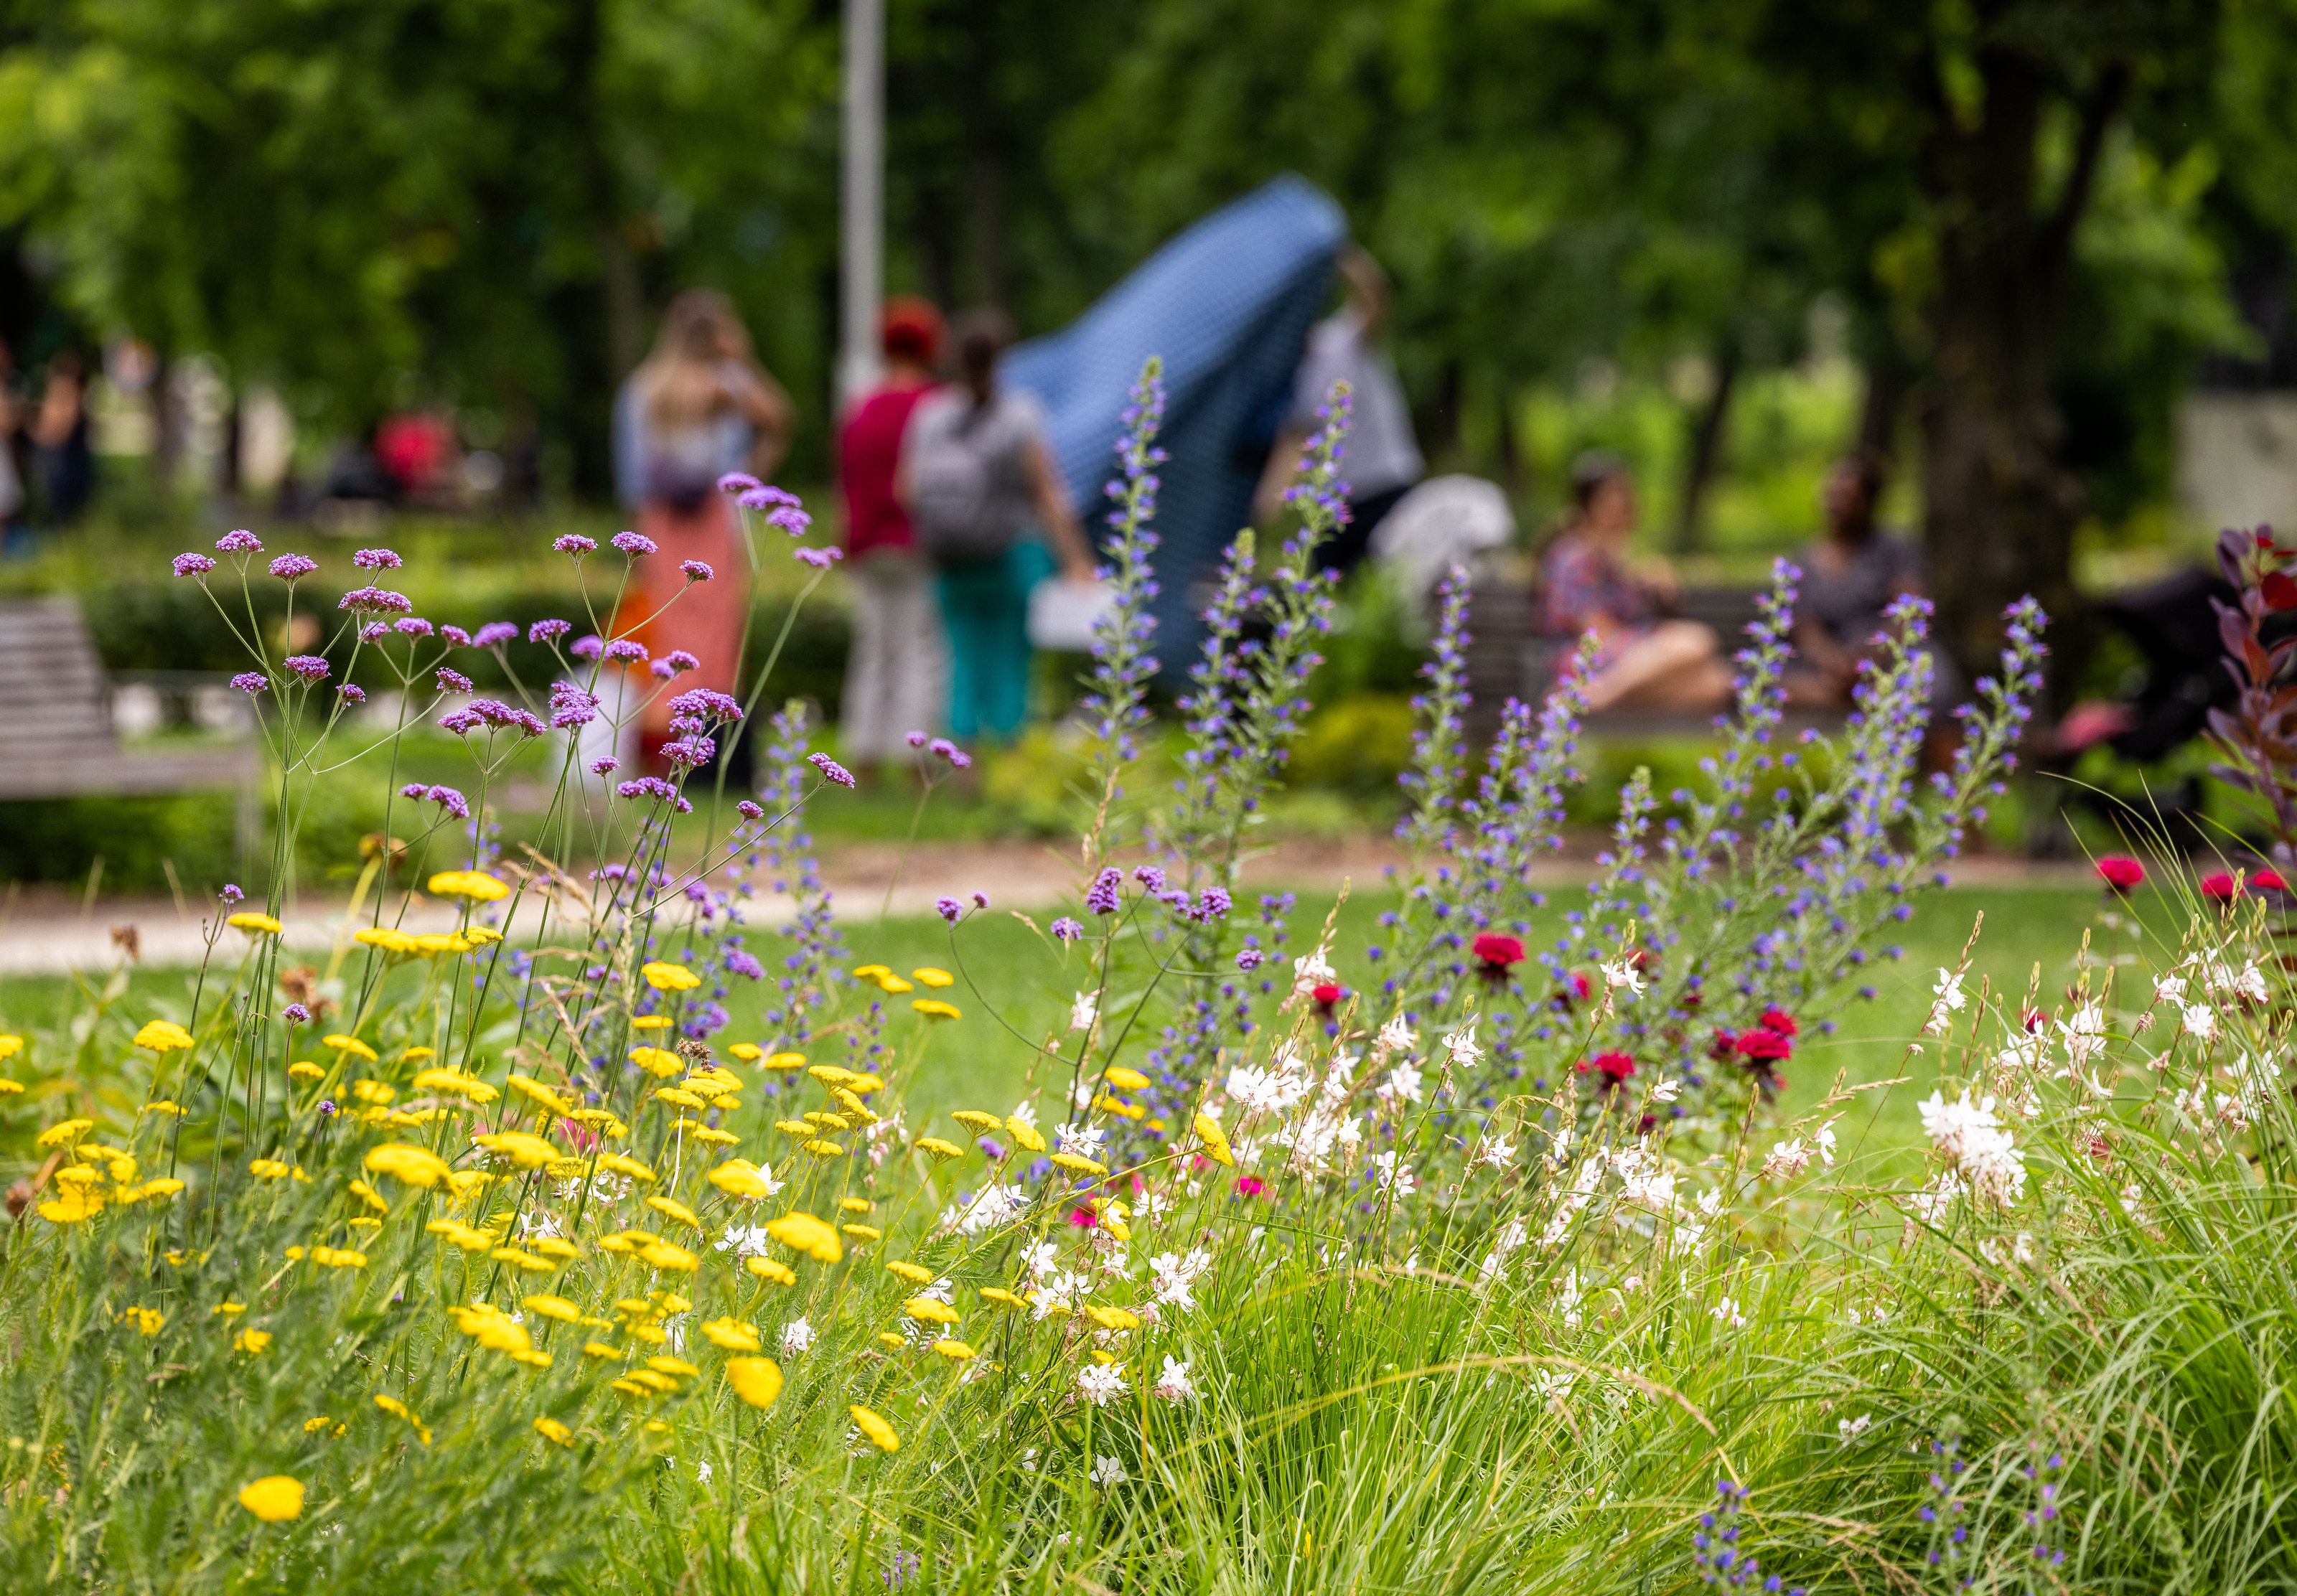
2200, 1021
1946, 997
1392, 1174
1622, 972
2169, 988
1084, 1140
1101, 1384
1822, 1139
2083, 1035
1037, 1258
745, 1241
1173, 1277
1084, 1009
1497, 1151
1727, 1314
1395, 1037
1460, 1047
2250, 984
1850, 1429
1567, 1298
1058, 1289
1665, 1090
1106, 1472
1174, 1385
1311, 971
797, 1336
1026, 1113
1787, 1159
1403, 1085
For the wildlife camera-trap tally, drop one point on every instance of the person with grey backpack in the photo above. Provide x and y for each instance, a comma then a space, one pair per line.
983, 494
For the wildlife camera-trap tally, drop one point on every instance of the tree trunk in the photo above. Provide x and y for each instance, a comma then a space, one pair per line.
1706, 456
2000, 508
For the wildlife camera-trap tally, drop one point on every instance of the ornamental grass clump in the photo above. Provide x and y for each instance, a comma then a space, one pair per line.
1473, 1259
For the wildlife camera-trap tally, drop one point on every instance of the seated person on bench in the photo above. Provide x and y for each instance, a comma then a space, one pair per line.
1849, 577
1645, 661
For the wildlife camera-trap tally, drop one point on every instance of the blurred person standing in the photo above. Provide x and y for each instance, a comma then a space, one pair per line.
61, 459
1383, 461
700, 406
895, 672
980, 486
1644, 660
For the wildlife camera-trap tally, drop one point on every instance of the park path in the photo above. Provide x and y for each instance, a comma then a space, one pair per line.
46, 931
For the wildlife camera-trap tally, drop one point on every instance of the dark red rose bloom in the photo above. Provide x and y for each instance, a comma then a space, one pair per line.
2121, 872
1764, 1045
1615, 1067
1775, 1019
2217, 884
1498, 954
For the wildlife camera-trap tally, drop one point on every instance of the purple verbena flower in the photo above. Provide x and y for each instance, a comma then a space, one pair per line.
690, 752
295, 1014
605, 765
454, 634
1067, 930
589, 646
377, 600
763, 496
452, 681
495, 633
633, 544
980, 899
736, 482
377, 559
575, 544
1105, 891
310, 667
290, 568
241, 542
820, 559
194, 564
705, 703
790, 519
351, 693
695, 570
678, 659
250, 681
916, 740
748, 810
627, 648
545, 631
1250, 958
231, 893
948, 908
831, 771
413, 625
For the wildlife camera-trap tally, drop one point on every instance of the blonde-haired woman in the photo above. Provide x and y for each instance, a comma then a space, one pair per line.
698, 408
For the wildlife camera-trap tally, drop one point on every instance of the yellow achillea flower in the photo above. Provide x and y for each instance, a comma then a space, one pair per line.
853, 1105
542, 1096
942, 1150
824, 1149
251, 1341
934, 1008
303, 1069
70, 1206
551, 1430
1079, 1164
911, 1273
1215, 1140
933, 978
974, 1120
1124, 1079
551, 1307
793, 1127
266, 1169
1024, 1135
164, 1106
785, 1061
254, 924
854, 1204
602, 1121
163, 1036
876, 1431
399, 1410
738, 1177
374, 1092
1111, 1318
554, 1247
710, 1136
802, 1232
628, 1386
468, 883
9, 1045
679, 1097
748, 1052
678, 1367
657, 1061
619, 1164
671, 1208
732, 1334
998, 1294
862, 1232
166, 1186
771, 1269
275, 1499
454, 1082
930, 1308
667, 1255
145, 1321
10, 1087
480, 936
956, 1352
649, 1021
521, 1258
666, 977
827, 1121
369, 1196
523, 1148
62, 1132
408, 1163
312, 1426
333, 1257
390, 939
228, 1308
870, 972
351, 1044
757, 1381
713, 1082
491, 1327
599, 1349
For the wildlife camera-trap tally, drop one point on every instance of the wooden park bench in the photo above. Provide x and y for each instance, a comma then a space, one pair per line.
58, 736
1509, 658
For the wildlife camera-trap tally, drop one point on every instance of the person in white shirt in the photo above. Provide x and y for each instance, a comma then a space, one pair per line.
1383, 461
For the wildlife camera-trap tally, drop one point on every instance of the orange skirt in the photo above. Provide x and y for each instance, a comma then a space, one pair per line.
665, 611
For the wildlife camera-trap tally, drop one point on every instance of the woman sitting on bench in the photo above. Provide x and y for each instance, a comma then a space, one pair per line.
1644, 662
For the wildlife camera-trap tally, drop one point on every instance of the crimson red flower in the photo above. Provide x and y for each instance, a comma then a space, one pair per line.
2031, 1019
1498, 954
1250, 1186
2217, 884
1083, 1217
1725, 1042
2121, 872
1764, 1045
1775, 1019
1328, 994
2268, 881
1616, 1068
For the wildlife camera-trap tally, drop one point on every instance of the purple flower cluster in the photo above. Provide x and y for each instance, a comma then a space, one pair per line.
310, 667
790, 518
677, 660
820, 559
493, 713
948, 908
704, 704
1116, 703
351, 693
452, 681
957, 757
1106, 891
736, 482
697, 570
761, 496
549, 630
654, 788
241, 542
570, 706
636, 545
447, 798
589, 646
1068, 929
690, 752
831, 771
748, 810
295, 1014
194, 564
627, 648
378, 601
494, 634
455, 636
413, 625
290, 568
575, 545
377, 559
250, 681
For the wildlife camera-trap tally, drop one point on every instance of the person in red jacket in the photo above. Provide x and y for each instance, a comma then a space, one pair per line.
894, 677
